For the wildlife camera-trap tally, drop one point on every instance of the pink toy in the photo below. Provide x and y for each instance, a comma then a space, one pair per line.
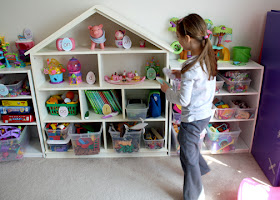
59, 44
119, 38
97, 36
250, 189
74, 68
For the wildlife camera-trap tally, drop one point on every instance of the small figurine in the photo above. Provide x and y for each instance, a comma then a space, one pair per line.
24, 43
97, 36
119, 38
74, 68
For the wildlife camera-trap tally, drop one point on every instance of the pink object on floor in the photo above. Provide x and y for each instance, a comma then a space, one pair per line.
251, 190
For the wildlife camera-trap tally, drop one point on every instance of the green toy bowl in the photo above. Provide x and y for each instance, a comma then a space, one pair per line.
241, 54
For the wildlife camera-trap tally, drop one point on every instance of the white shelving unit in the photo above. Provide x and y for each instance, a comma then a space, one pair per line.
252, 97
102, 62
35, 147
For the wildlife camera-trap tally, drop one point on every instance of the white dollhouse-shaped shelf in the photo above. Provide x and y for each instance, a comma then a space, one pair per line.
102, 62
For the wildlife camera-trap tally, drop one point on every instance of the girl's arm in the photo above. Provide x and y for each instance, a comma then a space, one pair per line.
182, 97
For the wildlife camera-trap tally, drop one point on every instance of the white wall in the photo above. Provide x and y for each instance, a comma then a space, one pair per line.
43, 17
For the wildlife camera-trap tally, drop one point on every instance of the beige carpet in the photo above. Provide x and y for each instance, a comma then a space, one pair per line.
120, 178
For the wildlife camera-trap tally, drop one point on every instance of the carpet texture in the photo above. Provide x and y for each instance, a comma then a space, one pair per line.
157, 178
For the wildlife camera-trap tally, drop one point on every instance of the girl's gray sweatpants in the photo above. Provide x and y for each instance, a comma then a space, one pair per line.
192, 162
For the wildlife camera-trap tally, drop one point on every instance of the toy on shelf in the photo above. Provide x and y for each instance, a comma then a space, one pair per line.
222, 32
176, 46
13, 57
126, 78
97, 36
8, 132
74, 68
10, 85
243, 111
236, 81
152, 69
142, 43
209, 24
65, 44
23, 44
119, 38
15, 110
241, 55
25, 88
55, 71
63, 105
17, 118
90, 78
4, 45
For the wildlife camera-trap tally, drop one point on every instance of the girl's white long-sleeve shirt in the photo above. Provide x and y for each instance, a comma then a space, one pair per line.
196, 94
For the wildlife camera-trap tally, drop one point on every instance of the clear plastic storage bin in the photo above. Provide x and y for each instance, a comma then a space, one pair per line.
13, 149
224, 113
154, 144
236, 86
60, 145
129, 143
222, 142
13, 84
243, 113
219, 83
135, 111
176, 117
86, 143
58, 134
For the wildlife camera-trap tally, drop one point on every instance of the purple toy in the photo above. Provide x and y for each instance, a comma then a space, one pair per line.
9, 131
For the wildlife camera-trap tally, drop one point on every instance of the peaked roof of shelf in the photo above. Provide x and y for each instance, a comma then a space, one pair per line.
109, 14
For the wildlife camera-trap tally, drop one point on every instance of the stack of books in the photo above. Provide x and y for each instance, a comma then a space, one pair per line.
99, 98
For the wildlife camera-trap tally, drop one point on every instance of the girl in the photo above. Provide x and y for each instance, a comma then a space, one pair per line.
198, 83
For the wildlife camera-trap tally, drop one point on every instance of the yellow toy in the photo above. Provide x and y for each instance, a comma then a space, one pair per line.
55, 70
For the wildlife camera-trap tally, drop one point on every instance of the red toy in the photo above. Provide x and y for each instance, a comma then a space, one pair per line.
18, 118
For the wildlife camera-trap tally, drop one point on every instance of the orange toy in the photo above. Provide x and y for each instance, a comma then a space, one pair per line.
70, 95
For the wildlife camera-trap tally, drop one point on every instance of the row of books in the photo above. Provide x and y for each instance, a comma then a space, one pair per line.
98, 99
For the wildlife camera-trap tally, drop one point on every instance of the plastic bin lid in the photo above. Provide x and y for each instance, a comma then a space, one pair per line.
136, 106
59, 141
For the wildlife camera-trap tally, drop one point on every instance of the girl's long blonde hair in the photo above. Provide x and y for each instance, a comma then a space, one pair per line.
194, 26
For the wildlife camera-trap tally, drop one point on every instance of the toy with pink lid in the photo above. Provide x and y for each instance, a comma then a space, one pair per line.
74, 68
55, 70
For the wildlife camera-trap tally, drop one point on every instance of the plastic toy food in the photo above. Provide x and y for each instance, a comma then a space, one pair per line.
97, 36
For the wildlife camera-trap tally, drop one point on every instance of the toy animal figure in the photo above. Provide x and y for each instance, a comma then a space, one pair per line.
119, 38
97, 36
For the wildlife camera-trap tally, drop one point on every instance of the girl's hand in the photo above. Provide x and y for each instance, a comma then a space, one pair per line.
164, 87
177, 73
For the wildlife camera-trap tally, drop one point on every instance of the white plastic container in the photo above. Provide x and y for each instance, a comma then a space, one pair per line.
153, 144
58, 134
224, 113
236, 86
136, 111
243, 113
222, 142
176, 117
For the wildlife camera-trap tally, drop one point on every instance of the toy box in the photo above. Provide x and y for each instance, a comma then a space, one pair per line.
60, 145
236, 85
86, 143
135, 111
223, 109
13, 149
176, 117
14, 103
18, 118
242, 112
129, 143
14, 110
151, 142
57, 131
222, 142
11, 85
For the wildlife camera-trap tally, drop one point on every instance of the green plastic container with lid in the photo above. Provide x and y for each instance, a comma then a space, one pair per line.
241, 54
